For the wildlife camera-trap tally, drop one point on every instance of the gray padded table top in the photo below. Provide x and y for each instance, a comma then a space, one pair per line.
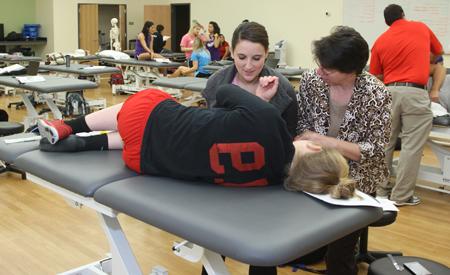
9, 152
52, 84
85, 57
198, 86
176, 82
264, 226
173, 55
19, 58
80, 69
82, 172
290, 71
148, 63
213, 68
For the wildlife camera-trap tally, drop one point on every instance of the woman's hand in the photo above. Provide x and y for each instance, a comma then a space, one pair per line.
267, 87
314, 137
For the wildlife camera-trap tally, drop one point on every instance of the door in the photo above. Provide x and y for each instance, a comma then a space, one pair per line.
88, 27
181, 17
123, 26
159, 14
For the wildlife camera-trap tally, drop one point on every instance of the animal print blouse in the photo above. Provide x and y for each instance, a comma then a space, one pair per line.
367, 122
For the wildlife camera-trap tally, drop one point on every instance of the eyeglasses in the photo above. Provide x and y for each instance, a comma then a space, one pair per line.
325, 71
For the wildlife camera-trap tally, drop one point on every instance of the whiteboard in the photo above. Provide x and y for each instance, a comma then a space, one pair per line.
366, 16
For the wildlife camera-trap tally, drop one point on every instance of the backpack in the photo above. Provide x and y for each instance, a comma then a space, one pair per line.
13, 36
76, 104
3, 115
116, 79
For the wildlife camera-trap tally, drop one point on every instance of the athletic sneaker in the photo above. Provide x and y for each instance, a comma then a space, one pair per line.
54, 130
414, 200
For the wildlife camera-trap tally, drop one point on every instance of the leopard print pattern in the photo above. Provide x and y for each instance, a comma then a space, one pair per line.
367, 122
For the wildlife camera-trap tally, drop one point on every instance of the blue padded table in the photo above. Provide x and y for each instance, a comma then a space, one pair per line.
264, 226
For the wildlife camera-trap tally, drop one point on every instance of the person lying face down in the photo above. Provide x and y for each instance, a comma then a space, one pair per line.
244, 142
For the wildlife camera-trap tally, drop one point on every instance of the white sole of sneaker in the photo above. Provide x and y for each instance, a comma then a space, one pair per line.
406, 203
47, 131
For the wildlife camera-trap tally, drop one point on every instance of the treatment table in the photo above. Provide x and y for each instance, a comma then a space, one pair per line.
16, 59
263, 226
195, 84
52, 84
287, 72
138, 74
439, 142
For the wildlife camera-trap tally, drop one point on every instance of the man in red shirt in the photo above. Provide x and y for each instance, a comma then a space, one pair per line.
401, 58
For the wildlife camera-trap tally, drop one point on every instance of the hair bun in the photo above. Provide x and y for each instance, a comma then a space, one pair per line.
344, 189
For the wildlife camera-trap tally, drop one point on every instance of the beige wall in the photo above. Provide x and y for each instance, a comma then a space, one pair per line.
44, 16
298, 21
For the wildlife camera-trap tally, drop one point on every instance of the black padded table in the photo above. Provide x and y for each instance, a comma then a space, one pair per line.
264, 226
80, 69
177, 82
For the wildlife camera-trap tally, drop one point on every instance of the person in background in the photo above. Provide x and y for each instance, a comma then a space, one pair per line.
249, 48
188, 39
437, 73
159, 136
224, 48
213, 42
144, 43
200, 57
401, 58
345, 108
158, 40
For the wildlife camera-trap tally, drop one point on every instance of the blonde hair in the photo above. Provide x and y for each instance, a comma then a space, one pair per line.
195, 25
197, 44
321, 173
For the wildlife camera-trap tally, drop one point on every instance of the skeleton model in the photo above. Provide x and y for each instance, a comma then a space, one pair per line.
114, 34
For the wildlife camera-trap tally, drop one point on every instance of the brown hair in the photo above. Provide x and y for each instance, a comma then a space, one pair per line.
252, 32
321, 173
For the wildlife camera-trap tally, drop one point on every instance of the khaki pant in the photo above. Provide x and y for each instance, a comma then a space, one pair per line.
412, 118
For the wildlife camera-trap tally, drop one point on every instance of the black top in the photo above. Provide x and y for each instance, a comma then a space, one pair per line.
243, 141
158, 42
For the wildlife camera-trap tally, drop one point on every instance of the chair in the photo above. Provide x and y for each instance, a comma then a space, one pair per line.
364, 255
272, 62
384, 266
6, 129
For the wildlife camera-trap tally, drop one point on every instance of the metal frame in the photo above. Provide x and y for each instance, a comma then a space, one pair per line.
122, 260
